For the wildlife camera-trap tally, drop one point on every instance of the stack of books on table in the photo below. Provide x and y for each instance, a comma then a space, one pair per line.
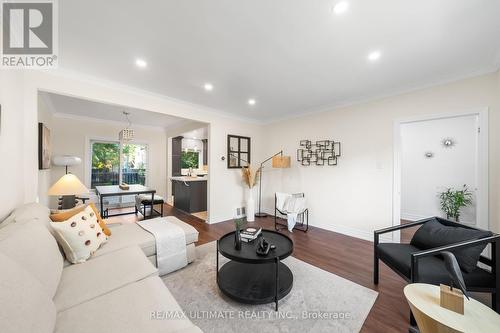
250, 234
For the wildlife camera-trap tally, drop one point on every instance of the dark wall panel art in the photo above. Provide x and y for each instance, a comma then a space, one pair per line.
323, 152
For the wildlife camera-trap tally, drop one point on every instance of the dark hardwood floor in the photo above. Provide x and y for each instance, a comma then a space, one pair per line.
345, 256
407, 234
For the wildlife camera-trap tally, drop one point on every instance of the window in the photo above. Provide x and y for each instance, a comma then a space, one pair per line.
108, 168
134, 161
190, 159
238, 151
105, 164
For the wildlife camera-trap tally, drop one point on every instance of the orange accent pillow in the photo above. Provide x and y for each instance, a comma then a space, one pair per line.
104, 228
60, 217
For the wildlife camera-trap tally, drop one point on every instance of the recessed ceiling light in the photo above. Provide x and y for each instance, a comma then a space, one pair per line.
374, 55
208, 87
141, 63
252, 101
340, 7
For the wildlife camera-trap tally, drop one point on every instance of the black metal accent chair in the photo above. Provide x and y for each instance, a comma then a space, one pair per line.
416, 265
303, 217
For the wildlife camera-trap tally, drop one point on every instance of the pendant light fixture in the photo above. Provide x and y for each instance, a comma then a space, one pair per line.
126, 134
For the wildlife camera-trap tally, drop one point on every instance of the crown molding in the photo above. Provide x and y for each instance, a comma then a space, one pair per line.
271, 120
62, 115
72, 74
382, 96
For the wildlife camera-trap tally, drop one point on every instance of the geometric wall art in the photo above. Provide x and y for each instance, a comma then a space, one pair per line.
323, 152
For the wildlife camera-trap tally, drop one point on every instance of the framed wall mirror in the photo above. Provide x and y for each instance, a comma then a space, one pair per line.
238, 151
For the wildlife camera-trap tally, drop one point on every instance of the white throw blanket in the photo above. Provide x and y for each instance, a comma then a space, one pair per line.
292, 206
170, 239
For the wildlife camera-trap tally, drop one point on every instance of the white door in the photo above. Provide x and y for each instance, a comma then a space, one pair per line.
437, 154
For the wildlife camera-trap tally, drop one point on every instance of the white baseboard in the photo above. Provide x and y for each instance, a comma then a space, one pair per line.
412, 217
349, 231
357, 233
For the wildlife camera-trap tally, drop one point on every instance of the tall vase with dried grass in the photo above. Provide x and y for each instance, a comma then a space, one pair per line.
250, 177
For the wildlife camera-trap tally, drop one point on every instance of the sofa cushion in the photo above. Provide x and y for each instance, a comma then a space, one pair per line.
32, 246
83, 282
127, 235
131, 234
25, 305
80, 235
27, 213
430, 269
434, 234
127, 310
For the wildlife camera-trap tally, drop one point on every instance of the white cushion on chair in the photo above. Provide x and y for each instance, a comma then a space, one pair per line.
146, 199
281, 200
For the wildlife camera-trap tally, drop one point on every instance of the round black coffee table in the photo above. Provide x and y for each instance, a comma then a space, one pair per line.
251, 278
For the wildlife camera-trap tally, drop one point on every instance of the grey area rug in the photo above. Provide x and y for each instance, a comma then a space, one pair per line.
318, 302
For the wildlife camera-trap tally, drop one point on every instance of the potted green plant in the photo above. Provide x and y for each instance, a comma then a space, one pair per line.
454, 200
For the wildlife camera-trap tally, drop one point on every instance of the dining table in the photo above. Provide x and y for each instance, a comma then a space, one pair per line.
105, 191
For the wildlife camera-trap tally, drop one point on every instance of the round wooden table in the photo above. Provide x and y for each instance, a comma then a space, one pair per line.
431, 317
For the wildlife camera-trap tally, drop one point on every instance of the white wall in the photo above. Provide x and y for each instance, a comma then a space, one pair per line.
72, 136
355, 197
12, 191
226, 190
423, 178
173, 132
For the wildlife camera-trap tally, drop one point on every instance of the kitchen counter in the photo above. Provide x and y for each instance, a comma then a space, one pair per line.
189, 179
190, 193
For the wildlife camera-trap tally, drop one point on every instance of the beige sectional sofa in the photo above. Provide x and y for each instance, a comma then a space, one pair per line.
117, 290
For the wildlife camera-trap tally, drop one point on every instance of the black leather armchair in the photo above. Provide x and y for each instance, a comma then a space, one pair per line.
424, 265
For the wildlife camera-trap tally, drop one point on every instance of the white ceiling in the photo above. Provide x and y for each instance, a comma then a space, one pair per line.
81, 108
292, 56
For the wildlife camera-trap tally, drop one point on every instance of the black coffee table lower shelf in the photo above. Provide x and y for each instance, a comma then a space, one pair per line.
253, 279
254, 283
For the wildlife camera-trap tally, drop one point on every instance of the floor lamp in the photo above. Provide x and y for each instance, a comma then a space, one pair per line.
279, 161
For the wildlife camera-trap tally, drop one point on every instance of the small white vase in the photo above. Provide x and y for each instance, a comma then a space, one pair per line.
250, 206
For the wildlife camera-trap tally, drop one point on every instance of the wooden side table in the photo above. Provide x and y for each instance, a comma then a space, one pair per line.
432, 318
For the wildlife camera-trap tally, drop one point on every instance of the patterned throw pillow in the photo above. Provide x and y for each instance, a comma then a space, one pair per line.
80, 235
60, 216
